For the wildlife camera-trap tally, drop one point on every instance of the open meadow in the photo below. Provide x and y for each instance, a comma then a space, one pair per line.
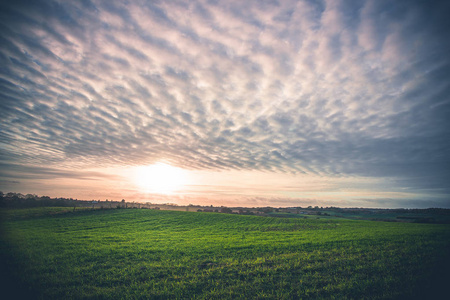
55, 253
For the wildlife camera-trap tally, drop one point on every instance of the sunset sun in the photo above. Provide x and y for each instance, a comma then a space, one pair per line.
160, 178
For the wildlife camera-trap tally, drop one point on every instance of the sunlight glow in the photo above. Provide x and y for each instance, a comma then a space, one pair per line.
160, 178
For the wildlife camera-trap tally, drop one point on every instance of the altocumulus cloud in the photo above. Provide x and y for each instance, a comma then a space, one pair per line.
326, 88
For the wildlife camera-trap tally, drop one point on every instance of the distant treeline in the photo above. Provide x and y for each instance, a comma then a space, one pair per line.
435, 211
18, 200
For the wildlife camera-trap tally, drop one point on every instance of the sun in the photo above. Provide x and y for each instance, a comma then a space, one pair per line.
160, 178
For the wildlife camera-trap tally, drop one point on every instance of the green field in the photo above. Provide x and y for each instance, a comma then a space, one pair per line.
54, 253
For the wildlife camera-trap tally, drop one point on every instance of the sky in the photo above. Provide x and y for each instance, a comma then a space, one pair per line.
237, 103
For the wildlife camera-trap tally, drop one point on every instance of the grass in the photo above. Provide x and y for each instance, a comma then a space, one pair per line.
54, 253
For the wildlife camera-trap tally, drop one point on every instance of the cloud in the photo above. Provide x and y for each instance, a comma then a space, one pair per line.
333, 88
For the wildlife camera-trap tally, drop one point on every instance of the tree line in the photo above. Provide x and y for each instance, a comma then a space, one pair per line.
18, 200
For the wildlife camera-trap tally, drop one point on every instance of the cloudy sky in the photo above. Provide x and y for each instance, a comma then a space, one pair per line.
281, 103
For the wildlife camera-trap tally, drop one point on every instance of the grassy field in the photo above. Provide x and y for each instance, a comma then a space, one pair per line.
54, 253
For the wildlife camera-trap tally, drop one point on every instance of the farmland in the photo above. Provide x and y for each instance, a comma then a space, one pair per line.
55, 253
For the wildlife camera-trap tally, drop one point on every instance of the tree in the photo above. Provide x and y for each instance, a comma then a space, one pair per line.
226, 210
